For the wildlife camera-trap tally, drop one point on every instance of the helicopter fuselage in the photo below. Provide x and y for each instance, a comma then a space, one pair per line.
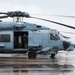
24, 37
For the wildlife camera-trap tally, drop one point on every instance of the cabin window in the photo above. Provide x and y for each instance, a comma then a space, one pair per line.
5, 38
54, 36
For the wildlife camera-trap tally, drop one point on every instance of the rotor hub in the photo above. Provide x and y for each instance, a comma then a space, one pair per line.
18, 14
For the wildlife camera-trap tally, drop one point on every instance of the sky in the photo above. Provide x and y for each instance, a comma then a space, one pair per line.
44, 9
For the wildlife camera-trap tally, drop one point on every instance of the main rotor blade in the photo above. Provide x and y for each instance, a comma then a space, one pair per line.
64, 16
53, 22
3, 17
3, 13
67, 32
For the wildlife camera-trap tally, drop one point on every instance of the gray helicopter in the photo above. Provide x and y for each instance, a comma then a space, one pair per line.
23, 37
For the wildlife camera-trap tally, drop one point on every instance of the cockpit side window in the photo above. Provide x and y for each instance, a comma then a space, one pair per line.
5, 37
54, 36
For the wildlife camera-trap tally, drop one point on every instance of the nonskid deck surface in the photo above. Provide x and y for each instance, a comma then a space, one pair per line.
17, 64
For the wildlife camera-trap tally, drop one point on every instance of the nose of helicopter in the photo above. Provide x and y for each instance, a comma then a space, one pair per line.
68, 46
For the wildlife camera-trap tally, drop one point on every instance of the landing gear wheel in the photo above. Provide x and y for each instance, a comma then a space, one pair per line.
52, 56
32, 54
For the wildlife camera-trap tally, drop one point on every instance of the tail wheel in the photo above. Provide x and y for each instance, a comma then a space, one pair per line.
32, 54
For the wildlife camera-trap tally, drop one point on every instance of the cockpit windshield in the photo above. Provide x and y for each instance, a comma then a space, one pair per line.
54, 36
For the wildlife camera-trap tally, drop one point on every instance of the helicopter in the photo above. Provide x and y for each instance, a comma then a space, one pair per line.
23, 37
